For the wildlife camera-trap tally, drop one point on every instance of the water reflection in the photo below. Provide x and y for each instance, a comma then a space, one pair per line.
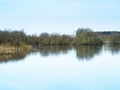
13, 57
52, 50
115, 49
82, 52
87, 52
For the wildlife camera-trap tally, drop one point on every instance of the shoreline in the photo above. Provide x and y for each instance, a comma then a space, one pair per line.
8, 50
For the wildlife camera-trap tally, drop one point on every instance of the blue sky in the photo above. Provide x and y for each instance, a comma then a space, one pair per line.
63, 16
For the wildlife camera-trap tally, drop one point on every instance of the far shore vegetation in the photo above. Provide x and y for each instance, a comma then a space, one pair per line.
17, 41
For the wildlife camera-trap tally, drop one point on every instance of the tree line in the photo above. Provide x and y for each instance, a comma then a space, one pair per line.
83, 36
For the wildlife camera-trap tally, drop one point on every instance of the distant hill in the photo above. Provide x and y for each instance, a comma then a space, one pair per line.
107, 32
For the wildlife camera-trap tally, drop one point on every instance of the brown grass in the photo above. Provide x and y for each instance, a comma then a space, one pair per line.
6, 50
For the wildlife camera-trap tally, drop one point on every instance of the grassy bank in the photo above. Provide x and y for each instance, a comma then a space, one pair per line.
7, 50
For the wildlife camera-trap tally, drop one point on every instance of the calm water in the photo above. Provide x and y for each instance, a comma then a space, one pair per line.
62, 68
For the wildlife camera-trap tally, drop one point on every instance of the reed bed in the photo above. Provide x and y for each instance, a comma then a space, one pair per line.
7, 50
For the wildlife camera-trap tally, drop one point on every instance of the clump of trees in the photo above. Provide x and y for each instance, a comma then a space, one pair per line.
84, 36
54, 39
18, 38
14, 38
114, 38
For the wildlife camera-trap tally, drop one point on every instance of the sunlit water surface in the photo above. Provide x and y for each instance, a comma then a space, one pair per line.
63, 68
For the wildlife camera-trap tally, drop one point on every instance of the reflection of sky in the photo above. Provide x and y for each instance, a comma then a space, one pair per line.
62, 72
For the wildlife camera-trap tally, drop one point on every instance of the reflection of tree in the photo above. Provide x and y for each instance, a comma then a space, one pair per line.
13, 57
114, 48
82, 52
87, 52
50, 50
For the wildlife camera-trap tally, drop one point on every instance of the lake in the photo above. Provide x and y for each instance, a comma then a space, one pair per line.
62, 68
